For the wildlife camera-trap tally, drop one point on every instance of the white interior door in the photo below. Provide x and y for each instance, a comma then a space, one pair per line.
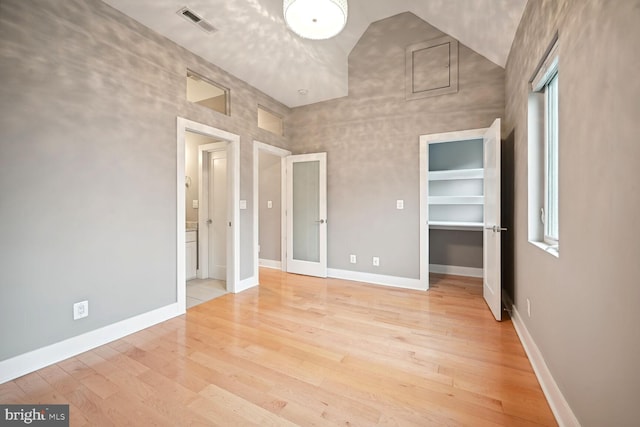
492, 283
217, 222
307, 214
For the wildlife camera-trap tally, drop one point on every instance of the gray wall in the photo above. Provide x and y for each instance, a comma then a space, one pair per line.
459, 248
584, 304
88, 164
372, 141
269, 189
191, 143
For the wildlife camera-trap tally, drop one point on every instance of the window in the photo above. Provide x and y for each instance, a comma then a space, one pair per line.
207, 93
543, 154
550, 209
270, 121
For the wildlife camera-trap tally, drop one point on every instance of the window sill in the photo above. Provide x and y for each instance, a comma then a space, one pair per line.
547, 248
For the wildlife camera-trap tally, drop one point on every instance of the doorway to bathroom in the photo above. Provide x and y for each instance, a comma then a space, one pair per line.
206, 208
208, 193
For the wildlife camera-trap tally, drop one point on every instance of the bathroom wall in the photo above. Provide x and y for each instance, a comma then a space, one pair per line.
192, 141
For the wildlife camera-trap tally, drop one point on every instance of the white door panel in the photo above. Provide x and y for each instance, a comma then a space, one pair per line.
218, 215
307, 214
492, 283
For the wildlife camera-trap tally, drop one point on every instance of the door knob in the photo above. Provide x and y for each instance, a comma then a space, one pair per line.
321, 221
209, 221
496, 229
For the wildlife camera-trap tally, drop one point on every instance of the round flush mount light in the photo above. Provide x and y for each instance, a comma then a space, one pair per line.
315, 19
303, 92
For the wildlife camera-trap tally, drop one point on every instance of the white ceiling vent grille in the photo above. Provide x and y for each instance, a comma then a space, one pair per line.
196, 19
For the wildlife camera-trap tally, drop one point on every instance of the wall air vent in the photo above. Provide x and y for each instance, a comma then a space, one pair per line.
196, 19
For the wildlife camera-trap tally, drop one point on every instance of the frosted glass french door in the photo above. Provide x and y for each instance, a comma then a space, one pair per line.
307, 214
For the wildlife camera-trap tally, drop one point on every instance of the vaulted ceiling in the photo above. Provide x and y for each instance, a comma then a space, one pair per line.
254, 44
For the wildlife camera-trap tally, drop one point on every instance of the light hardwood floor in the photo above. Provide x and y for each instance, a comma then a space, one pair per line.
306, 351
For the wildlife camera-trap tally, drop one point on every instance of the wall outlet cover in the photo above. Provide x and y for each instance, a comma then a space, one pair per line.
80, 310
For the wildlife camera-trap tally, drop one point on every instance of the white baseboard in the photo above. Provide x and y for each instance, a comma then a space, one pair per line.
247, 283
456, 270
377, 279
269, 263
37, 359
559, 406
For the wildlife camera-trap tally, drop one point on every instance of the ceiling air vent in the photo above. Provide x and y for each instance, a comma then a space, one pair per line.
196, 19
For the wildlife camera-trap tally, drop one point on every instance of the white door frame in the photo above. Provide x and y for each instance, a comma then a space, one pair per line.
282, 153
203, 212
425, 140
318, 269
233, 164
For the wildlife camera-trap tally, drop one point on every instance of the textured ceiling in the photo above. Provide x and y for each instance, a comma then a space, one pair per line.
253, 43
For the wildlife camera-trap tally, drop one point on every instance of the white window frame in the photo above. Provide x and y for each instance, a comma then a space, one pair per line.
543, 153
550, 137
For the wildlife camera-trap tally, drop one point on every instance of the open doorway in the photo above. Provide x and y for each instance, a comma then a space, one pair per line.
206, 208
269, 206
208, 192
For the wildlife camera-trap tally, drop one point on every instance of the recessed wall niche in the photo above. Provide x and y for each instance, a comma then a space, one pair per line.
431, 68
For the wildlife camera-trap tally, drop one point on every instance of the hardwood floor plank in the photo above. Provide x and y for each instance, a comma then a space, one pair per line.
306, 351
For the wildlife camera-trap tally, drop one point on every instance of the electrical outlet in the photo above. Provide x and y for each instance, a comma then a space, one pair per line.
352, 259
528, 307
376, 261
195, 204
80, 310
269, 204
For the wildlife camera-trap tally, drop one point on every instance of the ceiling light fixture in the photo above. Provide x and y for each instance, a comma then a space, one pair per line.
315, 19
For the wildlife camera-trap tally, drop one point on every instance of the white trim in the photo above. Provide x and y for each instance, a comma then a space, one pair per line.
456, 270
377, 279
461, 135
269, 263
233, 162
559, 406
425, 140
282, 153
245, 284
54, 353
547, 248
424, 212
310, 268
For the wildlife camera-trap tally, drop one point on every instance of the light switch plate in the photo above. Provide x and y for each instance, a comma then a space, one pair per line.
399, 204
269, 204
195, 204
243, 204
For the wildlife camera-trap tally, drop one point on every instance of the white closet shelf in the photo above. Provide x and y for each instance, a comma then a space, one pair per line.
456, 225
446, 175
456, 200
